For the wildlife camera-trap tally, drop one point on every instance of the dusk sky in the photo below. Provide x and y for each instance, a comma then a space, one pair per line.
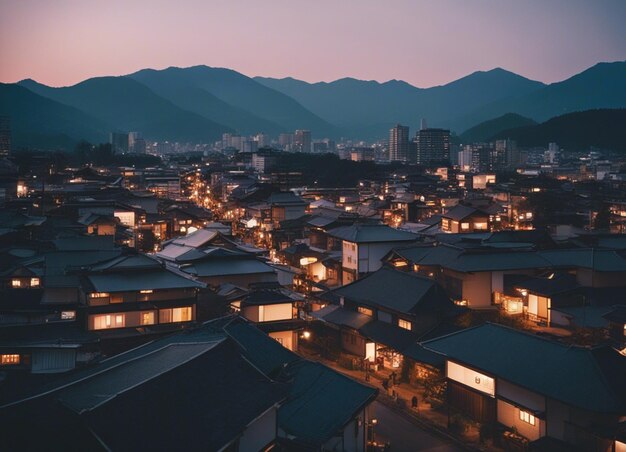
426, 43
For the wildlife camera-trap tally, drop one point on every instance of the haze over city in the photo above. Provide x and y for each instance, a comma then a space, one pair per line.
425, 43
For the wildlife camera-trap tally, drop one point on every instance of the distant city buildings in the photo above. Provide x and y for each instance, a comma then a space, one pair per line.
302, 141
433, 146
399, 143
5, 136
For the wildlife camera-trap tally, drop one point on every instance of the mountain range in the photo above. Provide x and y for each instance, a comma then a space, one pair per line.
198, 104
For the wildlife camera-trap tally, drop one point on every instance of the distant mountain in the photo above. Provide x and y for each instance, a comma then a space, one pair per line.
601, 86
603, 128
368, 108
486, 130
181, 88
241, 93
129, 105
39, 122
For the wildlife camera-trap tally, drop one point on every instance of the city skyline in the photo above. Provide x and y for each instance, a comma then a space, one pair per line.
370, 41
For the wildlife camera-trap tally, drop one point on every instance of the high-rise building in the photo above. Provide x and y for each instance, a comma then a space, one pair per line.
136, 143
5, 136
302, 140
399, 143
119, 142
433, 146
285, 141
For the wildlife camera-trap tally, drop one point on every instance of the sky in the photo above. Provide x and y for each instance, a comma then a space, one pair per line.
424, 42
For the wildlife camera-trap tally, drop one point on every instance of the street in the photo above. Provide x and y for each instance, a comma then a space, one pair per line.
403, 435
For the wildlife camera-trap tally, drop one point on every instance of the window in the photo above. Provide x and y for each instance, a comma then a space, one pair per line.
525, 416
103, 322
16, 283
480, 226
404, 324
175, 315
68, 315
116, 298
464, 226
147, 318
34, 282
9, 360
99, 295
366, 311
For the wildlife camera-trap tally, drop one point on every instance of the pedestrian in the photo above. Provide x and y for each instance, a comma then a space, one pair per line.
414, 402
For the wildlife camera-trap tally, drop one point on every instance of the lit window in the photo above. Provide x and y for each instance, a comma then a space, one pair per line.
366, 311
16, 283
146, 291
34, 282
68, 315
481, 226
99, 295
147, 318
103, 322
9, 360
465, 226
525, 416
175, 315
404, 324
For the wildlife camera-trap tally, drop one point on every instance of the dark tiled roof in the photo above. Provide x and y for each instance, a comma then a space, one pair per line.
396, 290
371, 233
460, 212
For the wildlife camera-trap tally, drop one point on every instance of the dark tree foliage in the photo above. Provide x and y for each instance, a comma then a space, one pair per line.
328, 170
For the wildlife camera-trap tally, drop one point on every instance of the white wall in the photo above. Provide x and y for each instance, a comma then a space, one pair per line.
509, 416
349, 255
470, 378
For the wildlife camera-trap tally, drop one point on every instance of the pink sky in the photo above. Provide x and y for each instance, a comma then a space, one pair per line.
61, 42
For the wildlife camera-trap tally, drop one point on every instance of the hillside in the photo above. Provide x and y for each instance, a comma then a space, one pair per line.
485, 130
175, 85
603, 129
244, 93
368, 108
601, 86
39, 122
128, 105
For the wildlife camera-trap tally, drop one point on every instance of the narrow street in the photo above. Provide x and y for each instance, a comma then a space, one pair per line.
405, 436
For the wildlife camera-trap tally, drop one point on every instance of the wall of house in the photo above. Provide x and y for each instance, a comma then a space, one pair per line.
371, 254
274, 312
509, 415
260, 433
350, 252
476, 287
354, 433
52, 361
557, 414
288, 339
353, 342
587, 278
538, 306
63, 295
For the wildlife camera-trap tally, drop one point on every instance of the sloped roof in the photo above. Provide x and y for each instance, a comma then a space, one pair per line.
400, 291
372, 233
587, 378
460, 212
223, 267
133, 281
321, 402
598, 259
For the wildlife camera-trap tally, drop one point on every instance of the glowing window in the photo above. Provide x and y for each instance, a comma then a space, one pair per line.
34, 282
9, 360
99, 295
525, 416
366, 311
404, 324
68, 315
16, 283
465, 226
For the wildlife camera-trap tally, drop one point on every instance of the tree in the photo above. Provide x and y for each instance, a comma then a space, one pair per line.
603, 218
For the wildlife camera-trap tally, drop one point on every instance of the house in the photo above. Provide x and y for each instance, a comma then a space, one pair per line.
385, 313
274, 311
462, 218
364, 245
535, 386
